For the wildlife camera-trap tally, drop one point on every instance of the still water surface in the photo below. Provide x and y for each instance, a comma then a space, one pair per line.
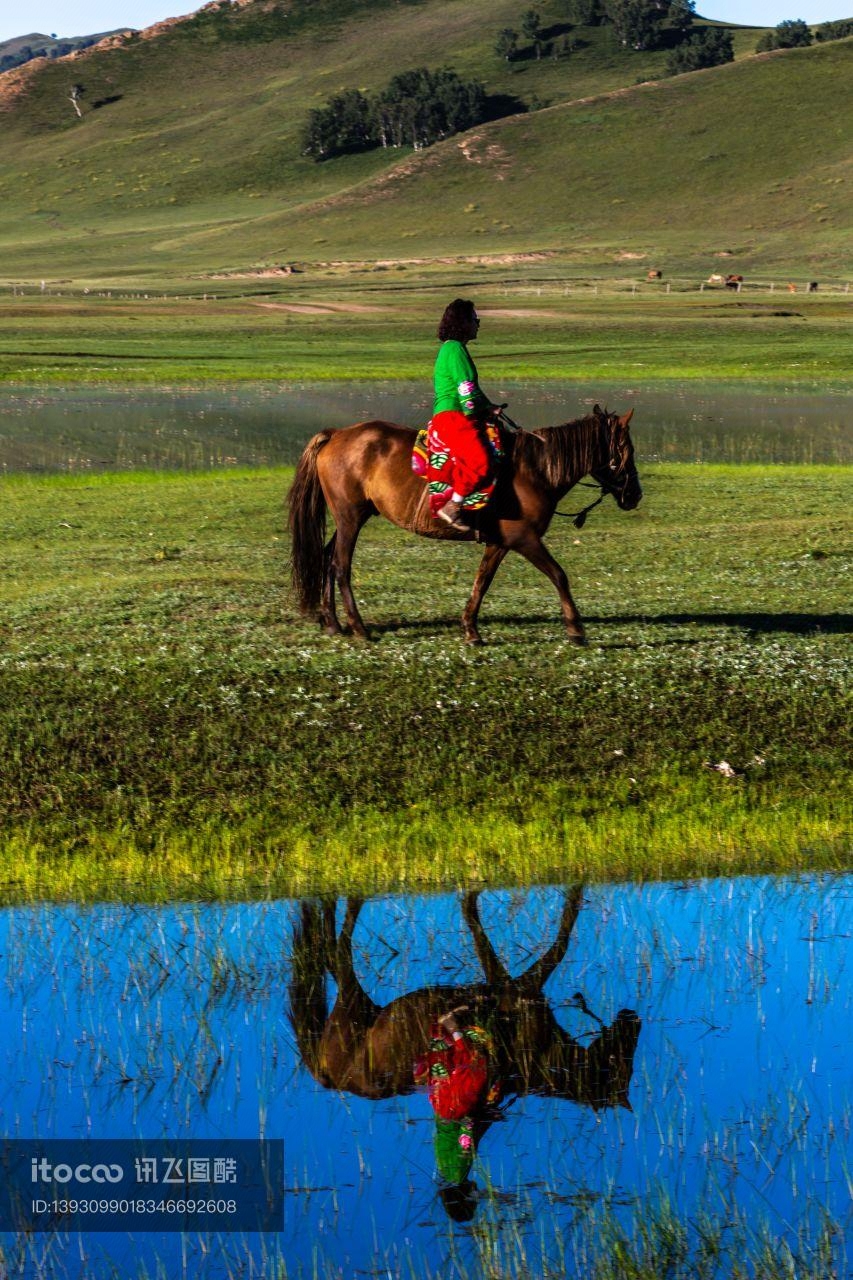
96, 429
686, 1044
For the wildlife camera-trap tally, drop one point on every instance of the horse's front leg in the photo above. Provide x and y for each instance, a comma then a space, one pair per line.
533, 979
534, 550
489, 565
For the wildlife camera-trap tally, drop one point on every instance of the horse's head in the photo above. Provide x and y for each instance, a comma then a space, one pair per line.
617, 473
598, 1075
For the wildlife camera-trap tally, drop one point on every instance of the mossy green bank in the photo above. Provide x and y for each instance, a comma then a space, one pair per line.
170, 726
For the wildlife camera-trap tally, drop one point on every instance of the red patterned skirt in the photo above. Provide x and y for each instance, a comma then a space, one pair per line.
458, 454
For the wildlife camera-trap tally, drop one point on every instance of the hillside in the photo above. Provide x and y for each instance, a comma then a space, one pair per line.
188, 156
22, 49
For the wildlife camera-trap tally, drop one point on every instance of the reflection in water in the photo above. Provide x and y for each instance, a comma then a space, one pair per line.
178, 1020
471, 1044
79, 429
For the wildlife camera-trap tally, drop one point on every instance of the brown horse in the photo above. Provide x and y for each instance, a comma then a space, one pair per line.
369, 1050
365, 470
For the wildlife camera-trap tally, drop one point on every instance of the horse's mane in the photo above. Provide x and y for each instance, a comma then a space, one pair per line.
559, 454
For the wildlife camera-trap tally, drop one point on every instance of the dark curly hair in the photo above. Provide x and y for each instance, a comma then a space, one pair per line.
457, 320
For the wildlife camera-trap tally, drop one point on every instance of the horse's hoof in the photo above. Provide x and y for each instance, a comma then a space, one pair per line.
473, 638
579, 640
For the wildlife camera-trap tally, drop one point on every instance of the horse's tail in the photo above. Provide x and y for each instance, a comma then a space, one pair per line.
308, 527
311, 960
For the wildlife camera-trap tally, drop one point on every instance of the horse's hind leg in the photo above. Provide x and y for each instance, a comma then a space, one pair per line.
328, 615
351, 994
348, 530
537, 553
489, 565
495, 973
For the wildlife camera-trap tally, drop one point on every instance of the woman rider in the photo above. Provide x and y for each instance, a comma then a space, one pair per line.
460, 411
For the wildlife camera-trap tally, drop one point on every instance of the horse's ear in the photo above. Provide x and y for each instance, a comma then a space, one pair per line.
598, 411
628, 416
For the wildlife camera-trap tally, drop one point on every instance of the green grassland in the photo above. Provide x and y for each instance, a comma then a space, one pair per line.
169, 725
382, 325
192, 161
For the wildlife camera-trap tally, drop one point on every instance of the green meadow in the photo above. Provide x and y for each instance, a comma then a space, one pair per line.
344, 328
170, 726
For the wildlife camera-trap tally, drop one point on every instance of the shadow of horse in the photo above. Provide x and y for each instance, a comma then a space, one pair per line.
368, 1049
754, 623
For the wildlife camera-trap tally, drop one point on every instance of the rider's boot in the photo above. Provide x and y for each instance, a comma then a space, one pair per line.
451, 514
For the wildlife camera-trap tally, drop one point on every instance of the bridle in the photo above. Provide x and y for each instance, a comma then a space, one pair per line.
617, 465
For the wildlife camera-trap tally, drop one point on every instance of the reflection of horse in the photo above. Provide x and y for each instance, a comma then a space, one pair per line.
368, 1049
365, 470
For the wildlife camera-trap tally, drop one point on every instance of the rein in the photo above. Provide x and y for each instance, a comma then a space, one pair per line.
578, 518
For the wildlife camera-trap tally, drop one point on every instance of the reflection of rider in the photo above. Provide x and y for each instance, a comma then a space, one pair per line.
458, 1069
461, 409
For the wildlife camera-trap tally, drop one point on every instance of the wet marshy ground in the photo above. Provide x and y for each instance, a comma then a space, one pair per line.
80, 429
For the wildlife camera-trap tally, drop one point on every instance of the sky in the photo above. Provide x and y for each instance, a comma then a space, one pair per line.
85, 17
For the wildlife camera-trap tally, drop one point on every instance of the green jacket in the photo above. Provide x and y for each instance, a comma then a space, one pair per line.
456, 385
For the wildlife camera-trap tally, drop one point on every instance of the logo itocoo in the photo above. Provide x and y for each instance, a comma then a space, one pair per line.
44, 1171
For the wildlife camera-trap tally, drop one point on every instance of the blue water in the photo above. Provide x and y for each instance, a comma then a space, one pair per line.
173, 1020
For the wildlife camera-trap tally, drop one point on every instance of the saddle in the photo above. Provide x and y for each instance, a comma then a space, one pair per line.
432, 462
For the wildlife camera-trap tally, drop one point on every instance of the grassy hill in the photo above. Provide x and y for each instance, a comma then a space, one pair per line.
20, 49
188, 158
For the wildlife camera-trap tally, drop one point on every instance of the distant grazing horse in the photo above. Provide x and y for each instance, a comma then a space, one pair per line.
365, 470
369, 1049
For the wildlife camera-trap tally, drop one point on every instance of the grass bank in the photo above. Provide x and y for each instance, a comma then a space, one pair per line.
169, 725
